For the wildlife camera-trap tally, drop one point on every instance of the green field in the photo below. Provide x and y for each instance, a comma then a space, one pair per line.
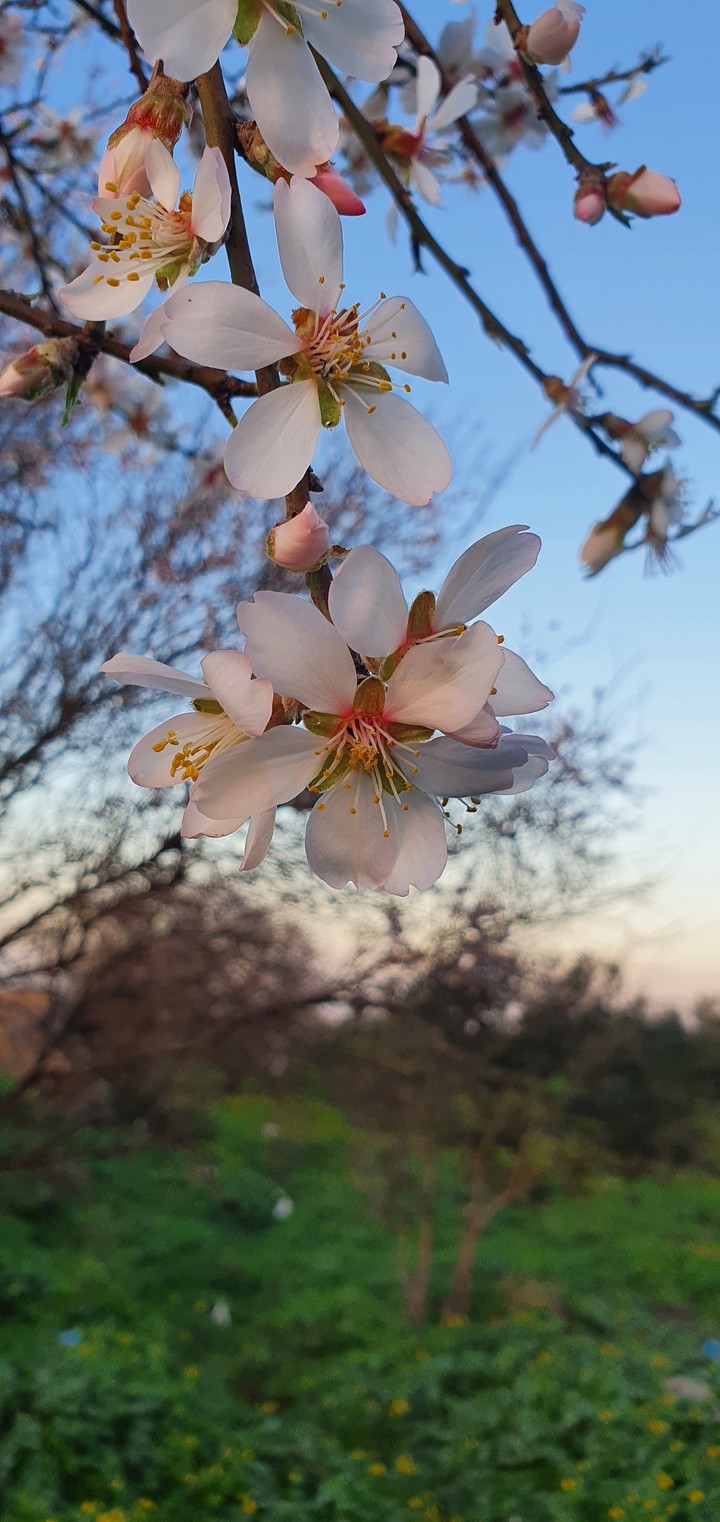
316, 1401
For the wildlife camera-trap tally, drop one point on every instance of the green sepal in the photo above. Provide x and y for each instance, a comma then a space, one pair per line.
246, 21
321, 784
370, 367
330, 409
207, 705
391, 663
370, 696
324, 724
422, 613
410, 734
72, 392
168, 274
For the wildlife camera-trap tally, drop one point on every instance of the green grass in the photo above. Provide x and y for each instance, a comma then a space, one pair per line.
317, 1402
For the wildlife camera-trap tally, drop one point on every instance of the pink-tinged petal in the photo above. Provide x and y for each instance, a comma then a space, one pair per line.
345, 839
517, 689
448, 769
211, 197
163, 174
195, 824
257, 841
310, 244
339, 192
223, 325
367, 604
288, 99
483, 731
140, 671
299, 543
427, 90
271, 447
422, 855
426, 183
246, 701
461, 99
481, 575
289, 642
359, 38
151, 336
95, 301
396, 445
259, 774
444, 683
153, 768
399, 336
189, 35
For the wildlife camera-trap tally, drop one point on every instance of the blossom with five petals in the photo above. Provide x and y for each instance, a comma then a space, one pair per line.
287, 95
155, 242
425, 148
367, 750
333, 359
227, 708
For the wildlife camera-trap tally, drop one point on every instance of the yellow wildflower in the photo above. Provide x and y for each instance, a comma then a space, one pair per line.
605, 1414
191, 1371
269, 1407
616, 1512
543, 1356
656, 1426
568, 1483
665, 1481
88, 1508
294, 1477
377, 1469
676, 1446
713, 1452
405, 1465
658, 1360
398, 1408
415, 1502
357, 1454
696, 1495
248, 1506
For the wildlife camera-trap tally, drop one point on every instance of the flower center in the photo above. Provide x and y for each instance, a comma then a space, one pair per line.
215, 733
364, 743
147, 239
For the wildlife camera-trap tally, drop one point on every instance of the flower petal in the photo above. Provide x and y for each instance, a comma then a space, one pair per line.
255, 776
444, 683
360, 38
151, 336
483, 573
427, 90
163, 174
271, 447
211, 197
257, 841
426, 183
461, 99
223, 325
247, 702
153, 768
94, 300
517, 689
299, 651
448, 769
140, 671
422, 856
195, 824
310, 244
482, 731
189, 35
399, 335
396, 445
346, 839
367, 604
526, 774
289, 100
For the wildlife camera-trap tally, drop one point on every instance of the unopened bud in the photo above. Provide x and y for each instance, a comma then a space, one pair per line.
590, 202
300, 543
41, 370
161, 113
337, 190
606, 538
257, 154
550, 38
645, 193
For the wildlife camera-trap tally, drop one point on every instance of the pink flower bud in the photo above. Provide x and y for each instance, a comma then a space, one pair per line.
160, 113
123, 167
339, 192
550, 38
41, 370
590, 203
645, 193
300, 543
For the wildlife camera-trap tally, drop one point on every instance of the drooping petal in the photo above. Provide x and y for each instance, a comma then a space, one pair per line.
517, 689
257, 841
427, 90
150, 767
189, 35
94, 300
400, 337
444, 683
448, 769
359, 38
246, 701
223, 325
151, 336
211, 197
426, 183
163, 174
483, 573
654, 422
195, 824
539, 755
288, 99
482, 731
346, 839
255, 776
634, 449
140, 671
460, 100
299, 651
396, 445
310, 244
422, 855
367, 604
271, 447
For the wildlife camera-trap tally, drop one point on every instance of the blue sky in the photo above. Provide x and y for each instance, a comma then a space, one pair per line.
650, 641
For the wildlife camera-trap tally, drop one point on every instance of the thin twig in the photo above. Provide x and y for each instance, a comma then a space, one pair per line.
131, 48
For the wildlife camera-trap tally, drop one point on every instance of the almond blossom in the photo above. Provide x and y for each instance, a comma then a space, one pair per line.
667, 511
366, 750
227, 708
567, 398
154, 242
287, 95
333, 360
425, 148
638, 440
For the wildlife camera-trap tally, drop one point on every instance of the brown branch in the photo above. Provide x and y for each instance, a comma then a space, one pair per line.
127, 37
614, 76
216, 383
